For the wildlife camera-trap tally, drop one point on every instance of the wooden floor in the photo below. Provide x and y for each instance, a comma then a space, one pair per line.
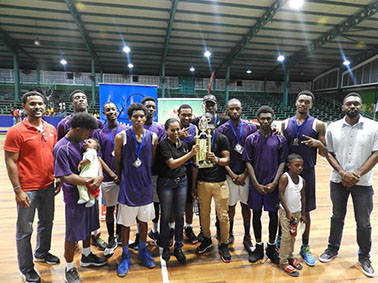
204, 268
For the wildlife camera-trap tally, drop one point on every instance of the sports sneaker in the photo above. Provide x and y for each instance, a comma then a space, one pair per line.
224, 253
123, 267
71, 276
111, 247
180, 256
200, 236
247, 243
190, 235
205, 245
135, 245
30, 276
257, 254
278, 242
119, 240
231, 239
166, 254
327, 256
146, 258
153, 235
171, 235
98, 242
92, 260
49, 259
272, 254
367, 269
307, 256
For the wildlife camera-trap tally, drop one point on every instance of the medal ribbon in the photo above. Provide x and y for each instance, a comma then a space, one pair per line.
233, 130
110, 135
137, 150
298, 129
212, 139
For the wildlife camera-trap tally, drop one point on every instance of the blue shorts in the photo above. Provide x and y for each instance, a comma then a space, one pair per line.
81, 221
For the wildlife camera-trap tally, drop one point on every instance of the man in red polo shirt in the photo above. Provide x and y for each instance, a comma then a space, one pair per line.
30, 163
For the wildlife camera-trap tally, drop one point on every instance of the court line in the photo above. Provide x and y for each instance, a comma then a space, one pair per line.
164, 270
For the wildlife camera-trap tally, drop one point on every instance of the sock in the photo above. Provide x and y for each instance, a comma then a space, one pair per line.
86, 251
137, 228
258, 243
110, 227
172, 225
188, 225
94, 233
142, 245
125, 250
247, 228
304, 242
154, 227
231, 227
269, 243
69, 265
118, 229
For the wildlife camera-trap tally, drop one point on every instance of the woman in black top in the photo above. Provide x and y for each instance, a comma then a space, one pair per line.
172, 153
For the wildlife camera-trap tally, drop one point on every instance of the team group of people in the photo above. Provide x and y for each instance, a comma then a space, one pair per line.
148, 172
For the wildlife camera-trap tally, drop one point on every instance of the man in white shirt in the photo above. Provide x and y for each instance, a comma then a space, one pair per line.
352, 144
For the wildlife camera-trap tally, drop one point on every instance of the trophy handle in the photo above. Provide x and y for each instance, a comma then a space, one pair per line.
209, 140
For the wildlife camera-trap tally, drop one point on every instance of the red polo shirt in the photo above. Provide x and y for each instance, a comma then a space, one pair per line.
36, 160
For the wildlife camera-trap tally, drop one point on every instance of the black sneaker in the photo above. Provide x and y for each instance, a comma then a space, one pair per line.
135, 245
30, 276
49, 259
247, 243
111, 247
231, 239
206, 244
98, 242
257, 254
92, 260
166, 254
119, 240
367, 269
178, 253
190, 235
272, 254
71, 276
327, 256
200, 236
153, 236
224, 253
171, 235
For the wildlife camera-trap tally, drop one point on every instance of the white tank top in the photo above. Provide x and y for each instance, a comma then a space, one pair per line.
292, 194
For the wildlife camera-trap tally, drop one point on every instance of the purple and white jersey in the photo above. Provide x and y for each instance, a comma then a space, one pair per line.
67, 156
136, 182
265, 155
309, 129
64, 126
236, 163
106, 141
158, 129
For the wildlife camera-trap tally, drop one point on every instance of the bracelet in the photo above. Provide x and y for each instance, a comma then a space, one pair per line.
16, 188
216, 159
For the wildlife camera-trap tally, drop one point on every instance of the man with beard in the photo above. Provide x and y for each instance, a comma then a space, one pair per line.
352, 144
79, 104
237, 130
28, 150
305, 135
109, 186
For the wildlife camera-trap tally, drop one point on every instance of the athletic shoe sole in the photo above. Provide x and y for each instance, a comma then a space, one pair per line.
88, 264
205, 250
45, 261
225, 260
24, 278
327, 260
109, 251
371, 275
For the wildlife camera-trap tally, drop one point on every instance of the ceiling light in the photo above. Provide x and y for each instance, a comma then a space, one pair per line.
63, 62
37, 42
192, 69
346, 63
130, 65
207, 53
249, 71
281, 58
126, 49
296, 4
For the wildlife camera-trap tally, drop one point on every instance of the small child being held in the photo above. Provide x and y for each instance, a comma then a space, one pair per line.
291, 193
89, 168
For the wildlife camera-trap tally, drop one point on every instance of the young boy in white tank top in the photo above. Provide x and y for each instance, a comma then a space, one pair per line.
291, 193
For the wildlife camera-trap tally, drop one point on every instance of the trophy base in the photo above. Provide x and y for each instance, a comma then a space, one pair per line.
205, 165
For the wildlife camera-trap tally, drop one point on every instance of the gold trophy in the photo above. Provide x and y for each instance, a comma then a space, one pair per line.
203, 138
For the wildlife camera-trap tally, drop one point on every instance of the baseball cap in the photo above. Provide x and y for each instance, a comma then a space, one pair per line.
210, 97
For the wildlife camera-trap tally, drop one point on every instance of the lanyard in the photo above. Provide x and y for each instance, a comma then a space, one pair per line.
298, 130
109, 133
212, 140
233, 130
137, 150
